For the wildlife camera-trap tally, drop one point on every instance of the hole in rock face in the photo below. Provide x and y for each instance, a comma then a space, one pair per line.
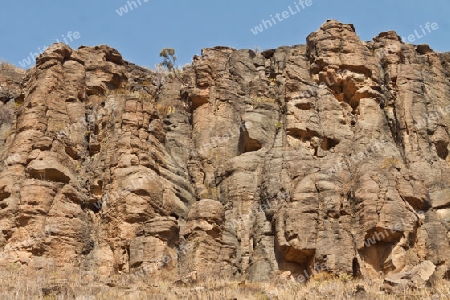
247, 144
447, 275
303, 106
423, 49
4, 195
96, 207
300, 134
72, 152
356, 268
378, 246
441, 149
252, 145
298, 262
268, 53
328, 143
96, 129
49, 174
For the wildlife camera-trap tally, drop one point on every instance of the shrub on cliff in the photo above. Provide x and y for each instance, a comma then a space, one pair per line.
169, 58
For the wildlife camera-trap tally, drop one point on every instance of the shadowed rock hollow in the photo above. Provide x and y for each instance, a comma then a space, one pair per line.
334, 153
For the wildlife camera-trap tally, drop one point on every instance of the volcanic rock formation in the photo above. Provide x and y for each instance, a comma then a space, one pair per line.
244, 165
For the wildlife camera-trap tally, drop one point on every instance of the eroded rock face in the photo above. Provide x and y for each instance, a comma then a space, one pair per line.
10, 98
334, 153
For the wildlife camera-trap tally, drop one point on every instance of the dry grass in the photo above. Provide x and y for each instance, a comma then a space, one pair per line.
264, 100
118, 91
19, 283
143, 95
167, 107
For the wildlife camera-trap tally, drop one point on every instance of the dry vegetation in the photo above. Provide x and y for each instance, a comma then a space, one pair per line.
166, 107
18, 283
264, 100
4, 66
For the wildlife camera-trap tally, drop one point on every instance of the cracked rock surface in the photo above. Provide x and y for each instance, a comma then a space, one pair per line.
245, 166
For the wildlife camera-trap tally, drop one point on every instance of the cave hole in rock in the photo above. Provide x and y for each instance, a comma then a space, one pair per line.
447, 275
423, 49
303, 106
346, 91
300, 134
269, 53
174, 215
442, 149
71, 151
38, 249
328, 143
96, 129
96, 207
88, 246
87, 136
97, 189
247, 144
94, 149
378, 246
356, 269
49, 174
4, 194
297, 261
71, 99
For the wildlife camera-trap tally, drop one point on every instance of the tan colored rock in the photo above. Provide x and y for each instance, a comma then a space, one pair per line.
331, 154
416, 276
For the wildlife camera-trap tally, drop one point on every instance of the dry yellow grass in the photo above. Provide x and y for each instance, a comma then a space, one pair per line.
264, 100
167, 107
19, 283
118, 91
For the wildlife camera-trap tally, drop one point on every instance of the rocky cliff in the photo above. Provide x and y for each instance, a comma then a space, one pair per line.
327, 157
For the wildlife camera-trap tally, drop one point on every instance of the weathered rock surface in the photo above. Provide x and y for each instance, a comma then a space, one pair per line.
334, 153
417, 276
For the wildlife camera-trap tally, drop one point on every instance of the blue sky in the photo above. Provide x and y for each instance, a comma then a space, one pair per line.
188, 26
